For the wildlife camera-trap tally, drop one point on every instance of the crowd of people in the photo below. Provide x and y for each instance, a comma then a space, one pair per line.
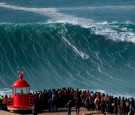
53, 99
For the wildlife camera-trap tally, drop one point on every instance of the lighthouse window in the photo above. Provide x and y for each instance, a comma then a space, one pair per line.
21, 91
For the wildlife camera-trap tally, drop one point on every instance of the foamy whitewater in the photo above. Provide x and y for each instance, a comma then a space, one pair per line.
83, 44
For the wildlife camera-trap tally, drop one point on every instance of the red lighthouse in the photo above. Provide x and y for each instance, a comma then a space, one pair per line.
21, 98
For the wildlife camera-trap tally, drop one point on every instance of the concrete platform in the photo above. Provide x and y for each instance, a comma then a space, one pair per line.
61, 111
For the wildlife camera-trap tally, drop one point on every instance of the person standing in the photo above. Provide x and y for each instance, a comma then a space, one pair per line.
69, 106
35, 108
78, 105
4, 102
0, 103
49, 104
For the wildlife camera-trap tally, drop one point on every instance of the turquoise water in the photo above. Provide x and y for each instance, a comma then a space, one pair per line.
81, 44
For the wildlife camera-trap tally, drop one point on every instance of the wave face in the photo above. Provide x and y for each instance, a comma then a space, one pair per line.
99, 56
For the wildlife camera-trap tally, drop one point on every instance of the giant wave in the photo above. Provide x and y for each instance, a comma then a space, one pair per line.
99, 56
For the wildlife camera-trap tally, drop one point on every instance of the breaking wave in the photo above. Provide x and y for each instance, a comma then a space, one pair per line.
97, 56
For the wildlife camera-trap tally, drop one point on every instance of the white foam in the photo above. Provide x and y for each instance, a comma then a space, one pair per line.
5, 91
54, 13
111, 32
101, 28
100, 7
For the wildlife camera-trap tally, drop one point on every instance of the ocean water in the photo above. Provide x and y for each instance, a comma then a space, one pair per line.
85, 44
